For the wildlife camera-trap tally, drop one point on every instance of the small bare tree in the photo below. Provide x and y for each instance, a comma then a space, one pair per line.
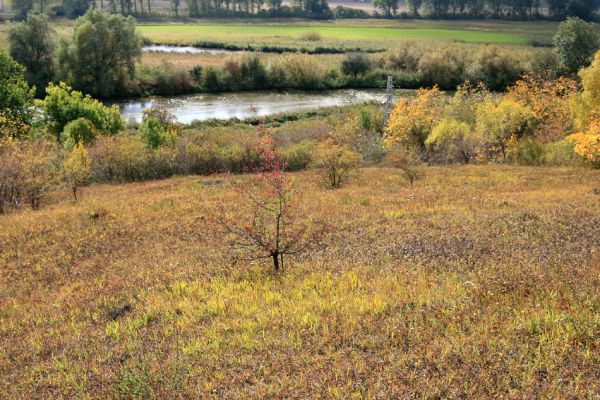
273, 224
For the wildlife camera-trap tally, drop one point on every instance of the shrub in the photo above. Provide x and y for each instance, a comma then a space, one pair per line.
342, 12
35, 170
298, 156
152, 132
406, 57
253, 73
527, 151
587, 145
550, 100
586, 105
412, 120
356, 64
499, 124
81, 130
311, 36
77, 168
452, 140
196, 73
443, 68
164, 80
63, 105
561, 152
497, 69
407, 161
336, 162
301, 71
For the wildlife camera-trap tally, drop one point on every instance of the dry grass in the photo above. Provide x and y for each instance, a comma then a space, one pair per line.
188, 61
480, 282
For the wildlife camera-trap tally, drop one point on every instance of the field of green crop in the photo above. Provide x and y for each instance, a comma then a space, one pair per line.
349, 33
290, 35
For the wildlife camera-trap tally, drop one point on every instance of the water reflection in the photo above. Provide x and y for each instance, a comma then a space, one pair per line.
185, 49
243, 105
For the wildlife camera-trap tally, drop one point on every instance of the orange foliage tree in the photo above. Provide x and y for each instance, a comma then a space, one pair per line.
550, 101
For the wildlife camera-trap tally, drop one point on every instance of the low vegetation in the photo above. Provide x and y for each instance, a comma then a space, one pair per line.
478, 281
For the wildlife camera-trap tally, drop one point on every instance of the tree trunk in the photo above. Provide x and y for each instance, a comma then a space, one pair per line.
275, 261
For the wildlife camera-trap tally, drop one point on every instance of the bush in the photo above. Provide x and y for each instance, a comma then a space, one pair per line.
253, 73
336, 162
451, 141
28, 172
311, 36
502, 123
356, 64
342, 12
527, 151
63, 105
164, 80
443, 68
406, 57
81, 130
298, 156
561, 153
497, 69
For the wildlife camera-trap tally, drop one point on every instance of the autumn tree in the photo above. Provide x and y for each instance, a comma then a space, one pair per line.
500, 123
406, 161
335, 161
77, 168
453, 140
412, 120
272, 224
550, 100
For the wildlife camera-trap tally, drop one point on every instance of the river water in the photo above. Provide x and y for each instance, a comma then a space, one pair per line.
206, 106
159, 48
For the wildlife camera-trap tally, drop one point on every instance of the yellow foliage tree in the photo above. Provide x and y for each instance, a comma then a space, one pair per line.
502, 123
587, 145
412, 120
335, 161
77, 168
586, 105
453, 140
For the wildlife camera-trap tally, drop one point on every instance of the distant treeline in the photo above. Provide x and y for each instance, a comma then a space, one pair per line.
319, 9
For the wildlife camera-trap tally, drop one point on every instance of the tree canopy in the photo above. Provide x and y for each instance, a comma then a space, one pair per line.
30, 44
575, 43
101, 55
15, 94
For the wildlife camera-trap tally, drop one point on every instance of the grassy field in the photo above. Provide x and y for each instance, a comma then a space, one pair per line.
290, 35
349, 33
479, 282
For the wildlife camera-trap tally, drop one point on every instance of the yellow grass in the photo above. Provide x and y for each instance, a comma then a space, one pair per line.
480, 282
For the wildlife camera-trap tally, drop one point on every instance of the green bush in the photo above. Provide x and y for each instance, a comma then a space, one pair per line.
63, 105
77, 131
298, 156
444, 68
497, 69
561, 153
356, 64
528, 152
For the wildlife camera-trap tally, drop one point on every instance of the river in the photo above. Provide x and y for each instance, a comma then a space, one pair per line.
206, 106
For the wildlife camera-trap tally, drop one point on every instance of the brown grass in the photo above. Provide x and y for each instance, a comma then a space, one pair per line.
480, 282
188, 61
